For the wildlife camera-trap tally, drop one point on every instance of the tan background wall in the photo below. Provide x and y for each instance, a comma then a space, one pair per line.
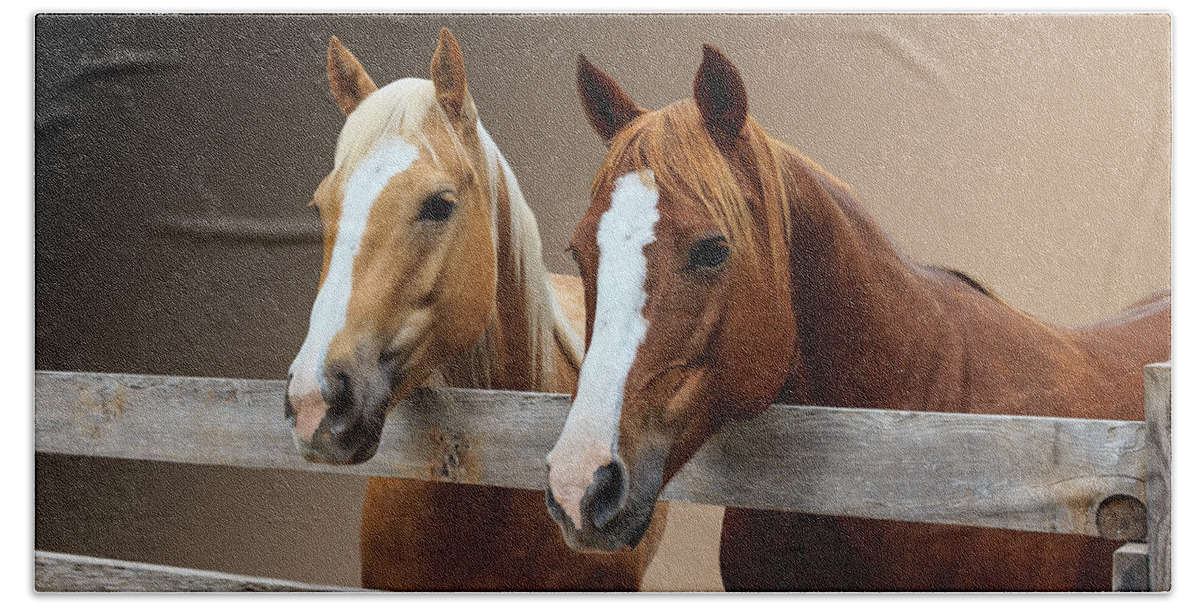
175, 155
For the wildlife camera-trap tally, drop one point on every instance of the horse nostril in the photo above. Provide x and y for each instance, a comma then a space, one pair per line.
606, 495
340, 397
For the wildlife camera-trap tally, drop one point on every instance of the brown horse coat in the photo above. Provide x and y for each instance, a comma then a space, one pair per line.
767, 281
880, 331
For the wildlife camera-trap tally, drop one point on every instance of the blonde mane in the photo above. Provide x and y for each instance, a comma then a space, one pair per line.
549, 329
401, 108
396, 109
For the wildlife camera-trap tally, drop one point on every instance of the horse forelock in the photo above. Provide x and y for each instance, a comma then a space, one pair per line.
398, 109
408, 109
676, 147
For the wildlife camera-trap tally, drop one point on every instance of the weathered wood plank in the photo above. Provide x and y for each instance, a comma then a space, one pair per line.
1026, 473
1158, 473
61, 572
1131, 568
1038, 474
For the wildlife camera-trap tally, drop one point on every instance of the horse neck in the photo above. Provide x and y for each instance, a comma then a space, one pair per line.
876, 330
527, 339
867, 318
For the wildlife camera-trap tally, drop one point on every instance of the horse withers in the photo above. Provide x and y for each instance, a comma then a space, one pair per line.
723, 271
432, 275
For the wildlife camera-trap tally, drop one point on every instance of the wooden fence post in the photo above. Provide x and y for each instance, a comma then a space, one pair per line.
1129, 569
1158, 474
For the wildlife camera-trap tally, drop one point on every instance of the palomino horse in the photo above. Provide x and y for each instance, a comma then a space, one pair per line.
723, 271
433, 274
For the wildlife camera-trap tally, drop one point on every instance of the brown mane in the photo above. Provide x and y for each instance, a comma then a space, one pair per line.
703, 174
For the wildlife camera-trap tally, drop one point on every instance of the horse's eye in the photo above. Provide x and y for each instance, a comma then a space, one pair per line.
438, 207
709, 253
574, 254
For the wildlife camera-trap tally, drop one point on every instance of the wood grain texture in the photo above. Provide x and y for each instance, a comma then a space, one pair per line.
1158, 473
61, 572
1131, 568
1023, 473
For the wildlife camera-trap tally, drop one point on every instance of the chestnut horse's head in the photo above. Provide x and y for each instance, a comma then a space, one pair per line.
408, 276
684, 260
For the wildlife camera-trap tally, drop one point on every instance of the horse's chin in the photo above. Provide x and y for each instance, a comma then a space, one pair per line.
358, 455
622, 535
355, 445
354, 442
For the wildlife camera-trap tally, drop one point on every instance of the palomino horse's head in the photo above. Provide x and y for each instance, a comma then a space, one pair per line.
408, 276
683, 255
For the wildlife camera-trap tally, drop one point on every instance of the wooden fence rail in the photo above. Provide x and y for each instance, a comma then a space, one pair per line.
65, 572
1062, 475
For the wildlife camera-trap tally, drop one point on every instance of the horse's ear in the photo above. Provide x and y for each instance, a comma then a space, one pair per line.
720, 95
347, 78
449, 77
606, 106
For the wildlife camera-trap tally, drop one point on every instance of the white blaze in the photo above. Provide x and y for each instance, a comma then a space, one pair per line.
589, 438
390, 156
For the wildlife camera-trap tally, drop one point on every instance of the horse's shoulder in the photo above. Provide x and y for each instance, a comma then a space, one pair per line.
569, 291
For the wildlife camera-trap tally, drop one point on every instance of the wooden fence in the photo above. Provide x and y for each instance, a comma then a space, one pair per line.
1075, 476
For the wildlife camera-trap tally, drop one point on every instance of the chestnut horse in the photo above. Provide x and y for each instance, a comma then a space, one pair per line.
724, 271
433, 274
